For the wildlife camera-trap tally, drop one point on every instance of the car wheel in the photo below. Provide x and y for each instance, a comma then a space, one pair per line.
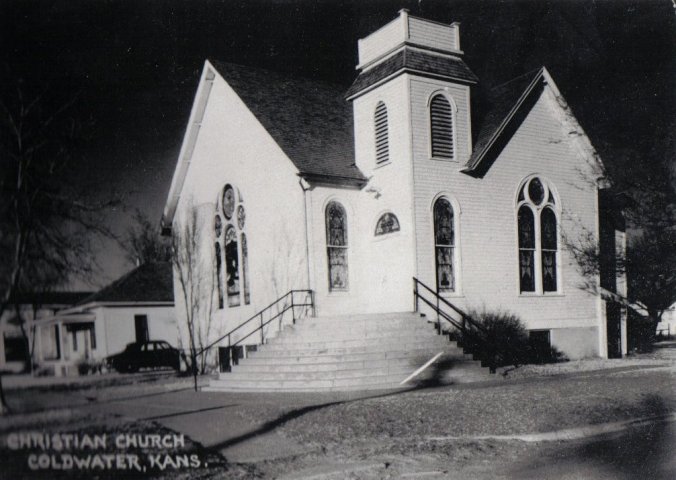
132, 368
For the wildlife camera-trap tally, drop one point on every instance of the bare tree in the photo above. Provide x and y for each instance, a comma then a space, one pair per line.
143, 242
48, 227
643, 184
196, 279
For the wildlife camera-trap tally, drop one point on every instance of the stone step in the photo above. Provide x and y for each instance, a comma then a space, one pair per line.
300, 343
262, 358
465, 374
345, 364
272, 350
342, 332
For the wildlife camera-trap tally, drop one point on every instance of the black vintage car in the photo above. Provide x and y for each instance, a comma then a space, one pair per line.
150, 354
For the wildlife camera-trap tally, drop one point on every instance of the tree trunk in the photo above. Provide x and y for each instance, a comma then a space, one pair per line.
4, 408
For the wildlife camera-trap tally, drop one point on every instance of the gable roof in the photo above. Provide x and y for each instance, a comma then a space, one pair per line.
309, 120
150, 282
504, 103
509, 104
416, 61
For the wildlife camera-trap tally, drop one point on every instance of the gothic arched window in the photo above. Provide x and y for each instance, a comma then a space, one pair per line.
441, 127
245, 269
444, 245
231, 266
336, 246
382, 134
538, 237
218, 230
387, 223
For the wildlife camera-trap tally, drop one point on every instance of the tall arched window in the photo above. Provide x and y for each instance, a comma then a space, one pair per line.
218, 230
336, 246
441, 127
382, 134
444, 245
538, 237
245, 269
232, 266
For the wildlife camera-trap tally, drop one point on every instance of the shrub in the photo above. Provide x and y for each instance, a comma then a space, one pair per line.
499, 339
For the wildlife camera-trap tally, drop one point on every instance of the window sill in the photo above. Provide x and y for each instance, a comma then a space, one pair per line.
386, 236
338, 293
381, 165
541, 295
441, 159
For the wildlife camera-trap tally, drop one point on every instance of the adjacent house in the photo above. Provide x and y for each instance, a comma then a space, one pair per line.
137, 307
352, 193
26, 312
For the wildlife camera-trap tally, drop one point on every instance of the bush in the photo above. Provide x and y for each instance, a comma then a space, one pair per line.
501, 339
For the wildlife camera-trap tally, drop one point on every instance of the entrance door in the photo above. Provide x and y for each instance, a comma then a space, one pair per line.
614, 329
141, 326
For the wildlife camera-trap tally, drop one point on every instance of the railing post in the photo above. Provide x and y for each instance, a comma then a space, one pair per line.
415, 296
312, 301
438, 317
293, 309
260, 315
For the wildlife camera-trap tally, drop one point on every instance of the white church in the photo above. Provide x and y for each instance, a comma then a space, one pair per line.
301, 185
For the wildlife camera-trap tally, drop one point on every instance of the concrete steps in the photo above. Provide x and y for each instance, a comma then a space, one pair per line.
358, 352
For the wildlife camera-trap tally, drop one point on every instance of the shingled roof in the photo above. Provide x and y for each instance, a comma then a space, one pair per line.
505, 102
151, 282
309, 120
408, 60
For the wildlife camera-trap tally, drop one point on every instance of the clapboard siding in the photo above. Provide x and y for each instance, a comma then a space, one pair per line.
381, 41
380, 268
487, 239
423, 32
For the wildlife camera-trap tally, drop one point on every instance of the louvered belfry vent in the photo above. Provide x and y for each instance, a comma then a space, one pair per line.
441, 125
382, 137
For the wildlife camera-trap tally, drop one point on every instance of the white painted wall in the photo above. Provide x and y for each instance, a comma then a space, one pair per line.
115, 327
233, 147
487, 219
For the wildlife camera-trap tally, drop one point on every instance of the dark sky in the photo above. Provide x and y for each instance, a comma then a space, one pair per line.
136, 65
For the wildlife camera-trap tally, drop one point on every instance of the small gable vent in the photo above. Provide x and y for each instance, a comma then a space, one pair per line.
441, 125
382, 138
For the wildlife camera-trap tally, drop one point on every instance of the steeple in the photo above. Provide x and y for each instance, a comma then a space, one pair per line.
411, 44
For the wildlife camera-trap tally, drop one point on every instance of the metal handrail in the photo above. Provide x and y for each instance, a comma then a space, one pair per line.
461, 326
465, 317
259, 315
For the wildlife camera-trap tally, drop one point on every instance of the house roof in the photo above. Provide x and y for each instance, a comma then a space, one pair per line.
150, 282
409, 60
309, 120
505, 102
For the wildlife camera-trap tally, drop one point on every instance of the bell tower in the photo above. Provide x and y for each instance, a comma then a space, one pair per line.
412, 96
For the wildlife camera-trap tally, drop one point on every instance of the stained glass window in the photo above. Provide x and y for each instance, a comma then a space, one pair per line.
228, 201
387, 223
444, 240
441, 127
218, 226
549, 247
231, 266
245, 269
336, 245
526, 249
538, 237
219, 273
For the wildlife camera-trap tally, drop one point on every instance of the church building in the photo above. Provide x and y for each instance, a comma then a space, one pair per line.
295, 184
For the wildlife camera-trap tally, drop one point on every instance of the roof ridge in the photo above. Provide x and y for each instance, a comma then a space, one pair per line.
288, 75
538, 71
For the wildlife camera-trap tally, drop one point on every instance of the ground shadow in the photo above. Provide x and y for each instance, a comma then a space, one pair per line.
639, 452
